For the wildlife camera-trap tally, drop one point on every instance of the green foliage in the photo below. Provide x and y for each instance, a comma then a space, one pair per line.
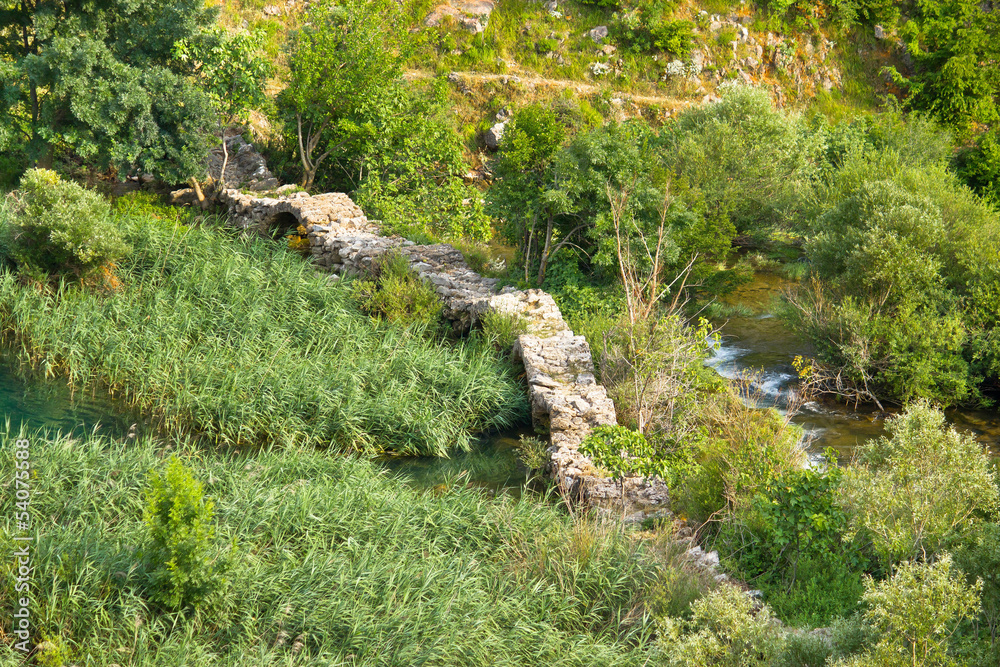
914, 614
282, 357
644, 26
979, 166
912, 491
345, 62
905, 255
724, 631
747, 159
231, 70
803, 515
57, 227
182, 559
803, 650
948, 41
503, 328
978, 556
533, 453
100, 81
825, 588
624, 452
336, 559
397, 294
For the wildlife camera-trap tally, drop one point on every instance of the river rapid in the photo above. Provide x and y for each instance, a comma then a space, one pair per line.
762, 345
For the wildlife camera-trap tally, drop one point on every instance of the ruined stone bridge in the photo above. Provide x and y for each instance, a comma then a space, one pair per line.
566, 399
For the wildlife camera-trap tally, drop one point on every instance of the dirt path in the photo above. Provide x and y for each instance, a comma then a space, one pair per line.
561, 84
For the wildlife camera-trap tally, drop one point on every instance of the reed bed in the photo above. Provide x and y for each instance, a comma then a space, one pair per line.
240, 341
334, 563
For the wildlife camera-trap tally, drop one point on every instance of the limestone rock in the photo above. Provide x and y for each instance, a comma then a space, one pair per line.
494, 136
598, 34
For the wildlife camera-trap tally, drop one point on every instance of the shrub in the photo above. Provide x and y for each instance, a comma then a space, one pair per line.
533, 453
912, 491
503, 329
724, 632
57, 227
676, 37
803, 649
914, 614
978, 556
979, 166
181, 558
395, 293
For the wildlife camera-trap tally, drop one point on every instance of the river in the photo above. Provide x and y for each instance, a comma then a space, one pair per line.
761, 344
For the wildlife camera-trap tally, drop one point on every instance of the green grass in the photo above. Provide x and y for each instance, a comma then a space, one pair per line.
240, 341
334, 563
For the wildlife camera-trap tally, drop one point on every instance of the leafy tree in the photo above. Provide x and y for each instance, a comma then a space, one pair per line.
530, 192
408, 175
232, 71
955, 47
748, 160
101, 80
344, 62
914, 615
57, 227
913, 490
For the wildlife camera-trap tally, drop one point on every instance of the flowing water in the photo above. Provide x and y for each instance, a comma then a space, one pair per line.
761, 345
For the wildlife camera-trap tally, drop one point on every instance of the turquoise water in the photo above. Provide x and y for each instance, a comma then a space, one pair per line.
492, 464
41, 403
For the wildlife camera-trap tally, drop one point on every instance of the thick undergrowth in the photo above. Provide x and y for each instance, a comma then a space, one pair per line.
240, 341
331, 562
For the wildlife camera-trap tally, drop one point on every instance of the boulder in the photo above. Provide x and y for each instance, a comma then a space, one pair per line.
246, 167
494, 136
599, 34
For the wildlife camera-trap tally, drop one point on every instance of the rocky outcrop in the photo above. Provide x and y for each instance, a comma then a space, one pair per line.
245, 168
566, 400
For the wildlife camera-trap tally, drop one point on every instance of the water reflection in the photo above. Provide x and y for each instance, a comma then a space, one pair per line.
49, 403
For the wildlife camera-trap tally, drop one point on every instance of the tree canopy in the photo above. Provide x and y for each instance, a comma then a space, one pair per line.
101, 81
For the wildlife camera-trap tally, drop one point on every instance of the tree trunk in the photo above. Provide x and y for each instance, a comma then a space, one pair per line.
225, 161
544, 260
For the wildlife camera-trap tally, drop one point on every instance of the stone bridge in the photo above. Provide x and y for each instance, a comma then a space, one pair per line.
566, 400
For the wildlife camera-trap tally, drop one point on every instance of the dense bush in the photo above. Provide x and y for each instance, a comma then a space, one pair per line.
57, 227
394, 292
182, 559
912, 491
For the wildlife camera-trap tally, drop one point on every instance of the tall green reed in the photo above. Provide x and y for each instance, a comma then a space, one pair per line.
240, 341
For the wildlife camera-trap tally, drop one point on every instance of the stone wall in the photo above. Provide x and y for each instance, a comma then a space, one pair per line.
566, 400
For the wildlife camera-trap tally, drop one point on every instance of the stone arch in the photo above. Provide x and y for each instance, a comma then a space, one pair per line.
279, 224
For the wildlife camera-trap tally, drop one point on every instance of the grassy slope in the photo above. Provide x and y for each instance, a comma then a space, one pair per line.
335, 563
241, 341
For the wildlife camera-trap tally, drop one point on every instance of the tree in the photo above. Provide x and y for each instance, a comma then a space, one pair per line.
344, 63
100, 80
955, 47
530, 191
911, 491
914, 614
232, 72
